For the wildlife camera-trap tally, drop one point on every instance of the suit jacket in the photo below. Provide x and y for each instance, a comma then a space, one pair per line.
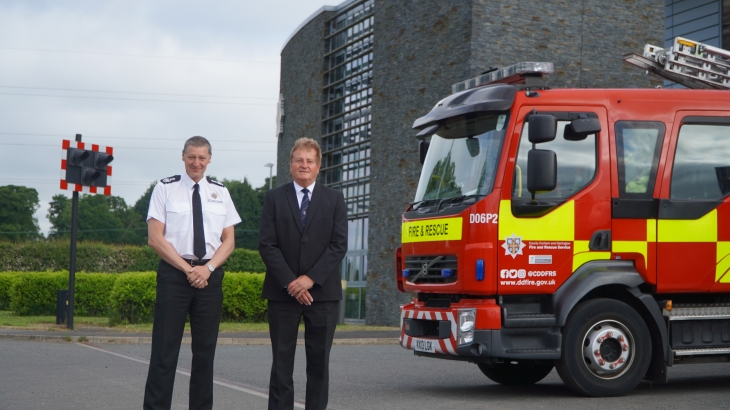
316, 250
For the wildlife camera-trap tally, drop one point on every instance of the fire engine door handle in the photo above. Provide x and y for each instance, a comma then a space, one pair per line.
600, 241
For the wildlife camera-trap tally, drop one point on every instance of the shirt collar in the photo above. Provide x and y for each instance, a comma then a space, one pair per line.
189, 181
298, 188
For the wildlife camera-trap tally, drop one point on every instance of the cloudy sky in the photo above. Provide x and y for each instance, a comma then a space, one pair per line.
141, 77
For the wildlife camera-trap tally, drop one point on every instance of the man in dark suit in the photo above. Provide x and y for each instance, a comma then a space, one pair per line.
302, 240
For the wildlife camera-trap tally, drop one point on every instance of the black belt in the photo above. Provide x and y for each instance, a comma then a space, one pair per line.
197, 262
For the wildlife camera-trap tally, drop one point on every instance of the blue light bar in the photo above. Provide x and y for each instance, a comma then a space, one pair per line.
446, 273
480, 269
406, 273
507, 75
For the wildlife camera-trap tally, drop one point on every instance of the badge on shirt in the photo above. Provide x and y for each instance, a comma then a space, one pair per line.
215, 198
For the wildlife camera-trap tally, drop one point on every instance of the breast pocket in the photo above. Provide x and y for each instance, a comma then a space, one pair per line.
215, 217
177, 216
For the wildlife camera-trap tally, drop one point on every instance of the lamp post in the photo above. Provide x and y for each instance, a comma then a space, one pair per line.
271, 170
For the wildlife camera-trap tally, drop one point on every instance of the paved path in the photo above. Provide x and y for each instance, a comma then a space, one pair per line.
74, 376
103, 335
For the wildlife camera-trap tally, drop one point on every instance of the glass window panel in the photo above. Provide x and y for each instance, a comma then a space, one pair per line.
702, 163
352, 302
638, 145
352, 232
576, 164
363, 299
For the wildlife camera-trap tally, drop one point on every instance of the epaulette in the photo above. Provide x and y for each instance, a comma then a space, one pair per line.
214, 182
169, 180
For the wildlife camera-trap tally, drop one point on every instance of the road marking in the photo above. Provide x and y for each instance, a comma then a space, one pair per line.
187, 373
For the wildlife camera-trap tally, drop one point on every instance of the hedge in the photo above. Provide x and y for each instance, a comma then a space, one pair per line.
91, 296
7, 279
133, 298
40, 256
34, 294
125, 297
242, 297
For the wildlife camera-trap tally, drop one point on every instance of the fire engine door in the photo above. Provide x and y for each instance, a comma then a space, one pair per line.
639, 147
693, 226
544, 240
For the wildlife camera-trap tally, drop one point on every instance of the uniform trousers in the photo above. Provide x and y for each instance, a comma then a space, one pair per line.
320, 320
175, 299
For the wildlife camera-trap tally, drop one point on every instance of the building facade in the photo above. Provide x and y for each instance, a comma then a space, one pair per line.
338, 49
355, 76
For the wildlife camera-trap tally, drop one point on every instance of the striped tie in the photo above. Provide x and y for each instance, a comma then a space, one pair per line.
304, 207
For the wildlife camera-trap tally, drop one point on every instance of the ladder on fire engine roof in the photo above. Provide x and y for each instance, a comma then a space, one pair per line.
689, 63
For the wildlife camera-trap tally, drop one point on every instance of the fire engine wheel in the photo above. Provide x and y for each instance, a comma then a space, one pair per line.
606, 348
516, 373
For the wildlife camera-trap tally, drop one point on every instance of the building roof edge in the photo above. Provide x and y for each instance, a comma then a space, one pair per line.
313, 16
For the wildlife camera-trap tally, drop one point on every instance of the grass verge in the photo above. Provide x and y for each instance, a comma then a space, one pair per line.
48, 323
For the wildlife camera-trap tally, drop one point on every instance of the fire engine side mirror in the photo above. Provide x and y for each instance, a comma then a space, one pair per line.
542, 170
581, 128
423, 150
542, 128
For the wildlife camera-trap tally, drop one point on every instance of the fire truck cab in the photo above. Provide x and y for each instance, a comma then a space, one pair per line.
582, 229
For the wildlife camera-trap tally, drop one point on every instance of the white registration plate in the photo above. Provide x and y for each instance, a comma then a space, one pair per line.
424, 345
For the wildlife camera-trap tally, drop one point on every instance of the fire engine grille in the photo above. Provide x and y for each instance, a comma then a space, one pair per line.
431, 269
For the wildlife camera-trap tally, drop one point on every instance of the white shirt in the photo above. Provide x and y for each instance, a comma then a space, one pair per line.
300, 195
172, 204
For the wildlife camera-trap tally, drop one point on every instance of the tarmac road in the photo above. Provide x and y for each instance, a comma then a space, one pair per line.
56, 375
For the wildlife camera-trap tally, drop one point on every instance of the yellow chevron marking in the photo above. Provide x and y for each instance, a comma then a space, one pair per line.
558, 225
722, 271
639, 247
695, 230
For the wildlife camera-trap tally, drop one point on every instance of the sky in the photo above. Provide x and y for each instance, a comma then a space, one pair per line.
140, 77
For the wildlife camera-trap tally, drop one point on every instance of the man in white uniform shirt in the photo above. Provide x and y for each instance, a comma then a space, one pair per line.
190, 226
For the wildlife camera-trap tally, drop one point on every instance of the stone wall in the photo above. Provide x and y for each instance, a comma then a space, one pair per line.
421, 48
585, 39
302, 68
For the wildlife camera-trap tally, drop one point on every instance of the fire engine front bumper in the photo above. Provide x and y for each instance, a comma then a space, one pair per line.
472, 332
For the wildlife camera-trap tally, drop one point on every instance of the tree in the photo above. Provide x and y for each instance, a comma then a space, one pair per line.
247, 204
141, 207
17, 207
261, 191
100, 218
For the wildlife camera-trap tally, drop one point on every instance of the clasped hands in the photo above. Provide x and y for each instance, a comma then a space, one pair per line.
198, 276
299, 289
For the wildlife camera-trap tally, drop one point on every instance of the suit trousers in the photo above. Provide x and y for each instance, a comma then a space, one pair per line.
175, 299
320, 320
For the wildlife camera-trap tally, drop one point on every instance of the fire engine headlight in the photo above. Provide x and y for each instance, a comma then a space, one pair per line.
467, 318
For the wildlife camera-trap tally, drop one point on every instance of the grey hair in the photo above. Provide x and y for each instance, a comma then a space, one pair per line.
306, 143
197, 141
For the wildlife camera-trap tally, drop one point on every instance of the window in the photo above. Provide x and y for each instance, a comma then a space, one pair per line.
346, 135
576, 165
638, 145
702, 162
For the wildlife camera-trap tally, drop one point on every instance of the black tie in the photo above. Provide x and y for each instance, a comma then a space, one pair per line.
305, 206
198, 232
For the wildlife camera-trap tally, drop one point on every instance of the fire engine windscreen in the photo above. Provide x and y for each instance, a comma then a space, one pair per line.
462, 156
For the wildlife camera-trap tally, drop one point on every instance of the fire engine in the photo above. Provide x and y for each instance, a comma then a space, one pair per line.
586, 230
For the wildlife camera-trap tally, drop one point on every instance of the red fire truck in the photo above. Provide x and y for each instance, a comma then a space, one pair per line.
582, 229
